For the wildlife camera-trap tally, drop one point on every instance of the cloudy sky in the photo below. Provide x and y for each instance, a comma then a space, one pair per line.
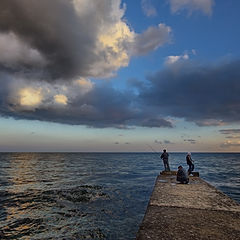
119, 75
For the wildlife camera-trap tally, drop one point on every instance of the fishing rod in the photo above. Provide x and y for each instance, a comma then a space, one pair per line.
153, 149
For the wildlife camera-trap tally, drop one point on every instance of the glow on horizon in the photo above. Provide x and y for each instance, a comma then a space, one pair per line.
53, 137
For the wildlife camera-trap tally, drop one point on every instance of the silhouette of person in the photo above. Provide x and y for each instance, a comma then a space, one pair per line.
189, 163
164, 157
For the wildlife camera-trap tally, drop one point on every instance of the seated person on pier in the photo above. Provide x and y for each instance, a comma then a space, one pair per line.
182, 176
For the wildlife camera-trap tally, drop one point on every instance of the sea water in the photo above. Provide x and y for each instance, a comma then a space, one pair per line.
92, 195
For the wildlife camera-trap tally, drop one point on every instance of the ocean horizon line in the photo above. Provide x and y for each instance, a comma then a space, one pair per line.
117, 152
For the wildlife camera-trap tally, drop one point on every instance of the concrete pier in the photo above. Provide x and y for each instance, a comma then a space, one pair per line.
189, 211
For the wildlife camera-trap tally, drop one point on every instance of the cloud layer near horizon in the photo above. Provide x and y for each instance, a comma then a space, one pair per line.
79, 103
205, 95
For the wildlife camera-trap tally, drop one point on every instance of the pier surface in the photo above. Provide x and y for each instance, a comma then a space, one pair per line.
189, 211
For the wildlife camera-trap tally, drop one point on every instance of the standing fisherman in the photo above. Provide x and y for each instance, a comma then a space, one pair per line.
189, 163
164, 157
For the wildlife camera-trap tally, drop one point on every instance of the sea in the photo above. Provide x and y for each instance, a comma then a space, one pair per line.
92, 195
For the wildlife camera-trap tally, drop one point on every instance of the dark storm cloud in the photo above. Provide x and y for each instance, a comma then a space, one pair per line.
51, 28
49, 42
101, 107
156, 122
5, 80
65, 39
206, 95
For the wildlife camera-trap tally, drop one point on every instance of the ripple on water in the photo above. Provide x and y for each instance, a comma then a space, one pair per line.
91, 195
58, 208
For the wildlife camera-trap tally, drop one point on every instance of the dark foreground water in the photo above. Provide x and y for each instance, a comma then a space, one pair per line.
91, 195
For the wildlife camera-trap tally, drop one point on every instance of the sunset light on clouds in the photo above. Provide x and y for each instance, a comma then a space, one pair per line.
93, 73
62, 99
30, 97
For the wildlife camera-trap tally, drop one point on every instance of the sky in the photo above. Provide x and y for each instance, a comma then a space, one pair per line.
119, 75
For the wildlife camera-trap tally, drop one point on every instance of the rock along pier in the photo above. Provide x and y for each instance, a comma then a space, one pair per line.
189, 211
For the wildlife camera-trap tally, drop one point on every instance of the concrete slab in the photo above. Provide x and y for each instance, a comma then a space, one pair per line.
189, 211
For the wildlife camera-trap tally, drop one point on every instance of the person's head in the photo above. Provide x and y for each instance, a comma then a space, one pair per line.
164, 150
189, 153
180, 167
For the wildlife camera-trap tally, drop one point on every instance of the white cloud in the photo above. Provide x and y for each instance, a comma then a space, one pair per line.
194, 52
204, 6
148, 9
173, 59
113, 35
113, 44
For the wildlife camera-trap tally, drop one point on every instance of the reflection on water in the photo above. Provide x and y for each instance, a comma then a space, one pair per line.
90, 196
71, 196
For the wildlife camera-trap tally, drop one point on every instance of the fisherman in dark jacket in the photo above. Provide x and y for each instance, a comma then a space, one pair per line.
182, 176
164, 157
189, 163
